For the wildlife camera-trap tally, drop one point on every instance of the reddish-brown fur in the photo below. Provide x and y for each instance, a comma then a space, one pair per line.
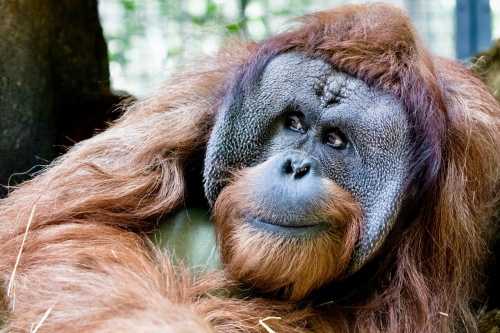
85, 266
279, 265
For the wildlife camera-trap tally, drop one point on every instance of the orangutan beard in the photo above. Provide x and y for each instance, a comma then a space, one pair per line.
275, 263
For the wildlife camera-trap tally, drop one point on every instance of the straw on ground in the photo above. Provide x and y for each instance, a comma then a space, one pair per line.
10, 286
266, 327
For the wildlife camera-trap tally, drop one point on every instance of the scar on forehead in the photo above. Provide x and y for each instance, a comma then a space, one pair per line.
331, 89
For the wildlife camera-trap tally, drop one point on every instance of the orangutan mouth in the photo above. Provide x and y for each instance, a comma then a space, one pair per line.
288, 228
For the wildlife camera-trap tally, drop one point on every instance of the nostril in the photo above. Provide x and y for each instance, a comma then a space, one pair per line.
302, 170
288, 167
297, 166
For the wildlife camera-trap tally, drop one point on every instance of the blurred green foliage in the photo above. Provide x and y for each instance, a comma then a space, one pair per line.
176, 30
149, 39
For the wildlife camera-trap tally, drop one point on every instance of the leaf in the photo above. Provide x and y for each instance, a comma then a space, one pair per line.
233, 27
129, 5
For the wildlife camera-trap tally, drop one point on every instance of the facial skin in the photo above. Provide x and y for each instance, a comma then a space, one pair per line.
302, 126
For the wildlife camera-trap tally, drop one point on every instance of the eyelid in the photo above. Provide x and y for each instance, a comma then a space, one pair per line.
338, 132
294, 115
302, 128
346, 126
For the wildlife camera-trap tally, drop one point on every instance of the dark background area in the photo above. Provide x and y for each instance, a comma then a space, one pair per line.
54, 82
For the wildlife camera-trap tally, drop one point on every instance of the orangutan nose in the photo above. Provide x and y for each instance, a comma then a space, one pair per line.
298, 166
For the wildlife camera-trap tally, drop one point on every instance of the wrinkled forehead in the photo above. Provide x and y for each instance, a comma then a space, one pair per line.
294, 77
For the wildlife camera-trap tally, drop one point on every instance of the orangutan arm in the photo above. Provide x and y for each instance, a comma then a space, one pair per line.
72, 259
93, 278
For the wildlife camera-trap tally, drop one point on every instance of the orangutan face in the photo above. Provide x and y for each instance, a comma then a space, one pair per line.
305, 160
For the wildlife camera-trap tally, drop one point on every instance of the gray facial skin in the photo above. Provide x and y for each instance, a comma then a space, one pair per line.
373, 166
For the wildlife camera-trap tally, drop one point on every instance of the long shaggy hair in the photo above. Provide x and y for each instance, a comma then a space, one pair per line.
73, 256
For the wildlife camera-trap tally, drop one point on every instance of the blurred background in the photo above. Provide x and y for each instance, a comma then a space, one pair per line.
147, 40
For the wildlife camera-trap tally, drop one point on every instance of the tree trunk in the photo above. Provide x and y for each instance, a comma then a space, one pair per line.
54, 80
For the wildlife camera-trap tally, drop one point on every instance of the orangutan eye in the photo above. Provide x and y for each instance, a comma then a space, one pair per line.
294, 122
335, 139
